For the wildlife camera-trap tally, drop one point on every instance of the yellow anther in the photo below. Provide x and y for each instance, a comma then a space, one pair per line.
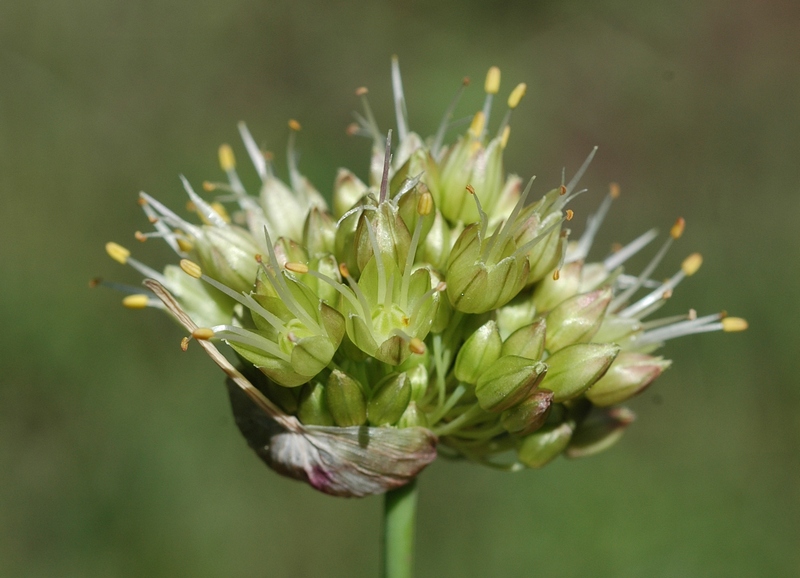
677, 229
209, 186
425, 204
152, 219
135, 301
219, 209
570, 214
191, 268
465, 81
226, 159
184, 245
416, 345
141, 201
492, 84
470, 189
184, 344
692, 315
691, 264
516, 95
139, 236
343, 270
191, 207
504, 136
361, 91
352, 129
666, 294
294, 125
203, 333
117, 252
613, 190
476, 128
556, 275
296, 267
562, 190
733, 324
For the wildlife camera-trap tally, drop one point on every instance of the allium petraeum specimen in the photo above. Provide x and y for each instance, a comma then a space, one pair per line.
434, 307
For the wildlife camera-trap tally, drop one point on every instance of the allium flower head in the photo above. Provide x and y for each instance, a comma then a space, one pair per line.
434, 308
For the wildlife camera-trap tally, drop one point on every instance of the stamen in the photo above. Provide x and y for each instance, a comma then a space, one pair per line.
574, 182
117, 252
513, 101
417, 346
206, 211
733, 324
362, 300
619, 257
161, 227
581, 250
439, 139
369, 122
675, 233
291, 156
354, 302
167, 215
425, 203
235, 334
483, 217
491, 86
499, 240
296, 267
139, 301
253, 150
226, 159
191, 268
399, 100
203, 333
689, 267
504, 136
700, 325
477, 124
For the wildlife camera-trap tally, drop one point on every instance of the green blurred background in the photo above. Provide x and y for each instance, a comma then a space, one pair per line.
118, 455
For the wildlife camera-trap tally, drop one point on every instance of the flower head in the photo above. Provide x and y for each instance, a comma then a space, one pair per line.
433, 308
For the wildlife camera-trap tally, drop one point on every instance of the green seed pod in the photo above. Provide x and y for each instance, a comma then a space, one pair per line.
527, 341
312, 408
529, 415
599, 431
389, 400
479, 351
575, 368
319, 233
543, 446
577, 319
435, 249
629, 374
508, 381
346, 400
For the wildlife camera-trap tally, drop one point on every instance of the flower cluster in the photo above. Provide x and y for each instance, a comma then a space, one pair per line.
432, 307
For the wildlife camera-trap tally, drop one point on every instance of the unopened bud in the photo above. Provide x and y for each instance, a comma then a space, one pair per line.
629, 374
347, 192
413, 417
599, 431
479, 351
508, 381
550, 292
526, 341
577, 319
389, 400
544, 445
346, 400
575, 368
312, 408
529, 415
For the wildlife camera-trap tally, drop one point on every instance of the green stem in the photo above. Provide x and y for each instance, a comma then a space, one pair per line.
399, 513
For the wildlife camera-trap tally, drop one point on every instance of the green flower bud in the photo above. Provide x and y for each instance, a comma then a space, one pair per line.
319, 233
480, 350
346, 401
544, 445
419, 378
518, 313
599, 431
227, 254
348, 190
527, 341
629, 374
484, 275
575, 368
435, 248
388, 236
577, 319
284, 213
529, 415
312, 408
549, 292
508, 381
413, 417
389, 400
507, 200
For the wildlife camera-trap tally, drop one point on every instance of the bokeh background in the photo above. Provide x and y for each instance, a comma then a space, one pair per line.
118, 454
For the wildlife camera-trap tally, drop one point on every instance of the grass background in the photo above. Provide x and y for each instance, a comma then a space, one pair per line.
118, 455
